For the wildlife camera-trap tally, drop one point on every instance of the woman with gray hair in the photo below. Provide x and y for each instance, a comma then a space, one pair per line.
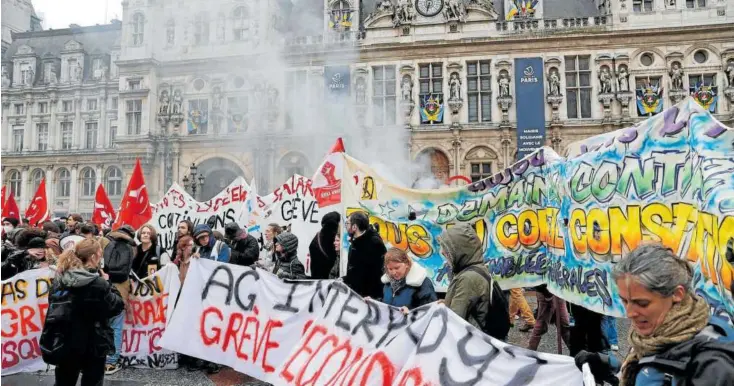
673, 339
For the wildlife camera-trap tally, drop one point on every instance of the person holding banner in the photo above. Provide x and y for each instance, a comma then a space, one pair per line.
406, 285
148, 254
286, 253
674, 340
185, 228
244, 246
76, 336
209, 247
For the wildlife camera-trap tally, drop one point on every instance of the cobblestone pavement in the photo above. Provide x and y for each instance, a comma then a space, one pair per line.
228, 377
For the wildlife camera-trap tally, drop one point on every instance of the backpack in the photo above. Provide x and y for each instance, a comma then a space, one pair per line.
57, 328
118, 261
497, 321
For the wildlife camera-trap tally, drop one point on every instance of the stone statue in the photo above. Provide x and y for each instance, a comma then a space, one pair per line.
164, 101
455, 10
406, 89
730, 73
272, 97
504, 82
385, 6
676, 77
403, 12
78, 72
554, 83
486, 4
177, 101
454, 87
217, 98
623, 79
6, 77
103, 72
29, 77
361, 92
605, 81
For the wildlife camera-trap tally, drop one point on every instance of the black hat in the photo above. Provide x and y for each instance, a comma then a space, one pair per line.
127, 229
231, 229
36, 242
12, 220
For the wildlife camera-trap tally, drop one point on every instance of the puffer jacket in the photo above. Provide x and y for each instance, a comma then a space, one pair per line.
93, 302
417, 291
468, 292
288, 265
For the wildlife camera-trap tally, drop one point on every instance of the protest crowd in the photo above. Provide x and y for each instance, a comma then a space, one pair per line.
101, 270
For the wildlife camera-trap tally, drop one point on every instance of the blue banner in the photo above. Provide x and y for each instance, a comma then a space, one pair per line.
336, 80
530, 105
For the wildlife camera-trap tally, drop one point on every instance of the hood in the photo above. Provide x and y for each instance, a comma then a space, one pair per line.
331, 221
201, 229
121, 236
76, 278
414, 278
233, 231
461, 246
289, 241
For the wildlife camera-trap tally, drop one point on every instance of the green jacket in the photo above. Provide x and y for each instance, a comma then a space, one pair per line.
468, 292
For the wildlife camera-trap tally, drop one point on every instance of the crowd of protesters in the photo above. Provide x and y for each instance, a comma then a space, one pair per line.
673, 338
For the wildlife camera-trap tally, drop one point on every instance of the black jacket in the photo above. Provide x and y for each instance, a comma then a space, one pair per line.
93, 302
147, 262
245, 249
127, 245
323, 254
364, 264
17, 261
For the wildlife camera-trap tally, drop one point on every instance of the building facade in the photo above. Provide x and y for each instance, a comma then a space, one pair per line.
17, 16
262, 88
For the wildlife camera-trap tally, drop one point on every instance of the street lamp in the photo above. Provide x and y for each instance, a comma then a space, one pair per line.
190, 182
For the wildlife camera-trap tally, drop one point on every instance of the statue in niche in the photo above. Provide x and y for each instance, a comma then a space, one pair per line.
78, 72
623, 79
676, 77
454, 87
403, 13
361, 92
217, 98
177, 101
164, 101
730, 73
6, 77
406, 88
605, 80
554, 83
29, 77
272, 97
455, 10
504, 82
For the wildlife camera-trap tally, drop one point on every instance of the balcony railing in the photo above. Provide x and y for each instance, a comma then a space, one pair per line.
551, 25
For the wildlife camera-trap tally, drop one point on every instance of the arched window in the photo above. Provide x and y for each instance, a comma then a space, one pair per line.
16, 182
87, 182
138, 26
201, 28
341, 16
36, 177
113, 182
241, 23
171, 32
63, 183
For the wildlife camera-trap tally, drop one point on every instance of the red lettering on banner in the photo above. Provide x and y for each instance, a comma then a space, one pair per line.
149, 311
415, 375
21, 320
25, 349
132, 338
237, 333
233, 194
305, 348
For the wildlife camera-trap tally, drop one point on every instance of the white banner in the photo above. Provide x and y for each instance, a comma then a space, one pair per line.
321, 333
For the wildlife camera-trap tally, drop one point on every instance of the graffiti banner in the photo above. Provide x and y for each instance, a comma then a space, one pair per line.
322, 333
146, 317
24, 306
566, 221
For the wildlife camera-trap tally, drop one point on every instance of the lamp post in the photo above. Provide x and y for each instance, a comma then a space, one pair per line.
193, 182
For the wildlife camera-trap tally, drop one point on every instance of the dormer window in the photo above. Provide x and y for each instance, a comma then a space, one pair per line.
138, 25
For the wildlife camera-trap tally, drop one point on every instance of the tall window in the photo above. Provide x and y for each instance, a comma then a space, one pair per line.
695, 3
24, 72
16, 181
91, 104
201, 28
138, 26
648, 88
113, 181
238, 113
133, 85
42, 107
430, 78
18, 109
198, 115
642, 5
88, 180
67, 106
171, 32
241, 23
18, 132
47, 67
478, 89
480, 170
134, 116
703, 89
113, 103
113, 133
67, 132
42, 131
36, 177
71, 69
63, 183
578, 87
90, 135
383, 98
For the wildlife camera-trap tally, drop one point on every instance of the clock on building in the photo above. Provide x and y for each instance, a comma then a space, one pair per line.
429, 8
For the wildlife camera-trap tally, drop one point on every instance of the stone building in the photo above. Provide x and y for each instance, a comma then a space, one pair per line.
262, 88
17, 16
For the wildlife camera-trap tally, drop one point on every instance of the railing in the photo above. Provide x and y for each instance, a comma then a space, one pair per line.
551, 25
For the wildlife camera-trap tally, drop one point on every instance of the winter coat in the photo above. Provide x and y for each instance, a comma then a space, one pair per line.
288, 265
244, 247
215, 250
115, 238
417, 291
94, 301
147, 262
364, 264
321, 249
16, 262
468, 292
707, 359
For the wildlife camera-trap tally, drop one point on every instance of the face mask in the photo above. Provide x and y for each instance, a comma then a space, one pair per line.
7, 228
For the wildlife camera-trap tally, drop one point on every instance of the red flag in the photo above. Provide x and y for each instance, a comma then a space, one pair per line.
37, 211
10, 209
135, 209
104, 212
327, 183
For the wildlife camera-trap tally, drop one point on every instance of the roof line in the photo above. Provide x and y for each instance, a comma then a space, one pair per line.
67, 31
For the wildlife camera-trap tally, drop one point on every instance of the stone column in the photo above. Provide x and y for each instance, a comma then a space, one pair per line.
28, 132
6, 130
25, 187
53, 126
102, 124
78, 134
73, 191
98, 173
50, 187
